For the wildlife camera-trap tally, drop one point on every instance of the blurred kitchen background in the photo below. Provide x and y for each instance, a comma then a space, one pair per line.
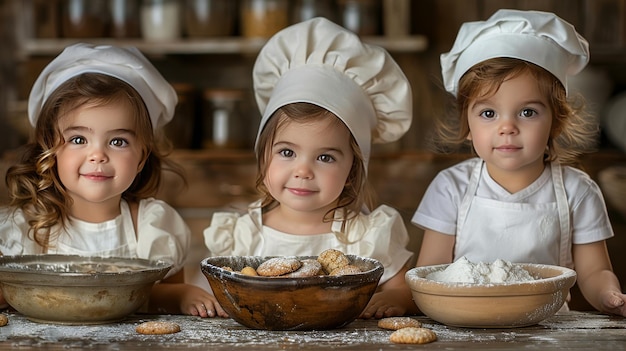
206, 49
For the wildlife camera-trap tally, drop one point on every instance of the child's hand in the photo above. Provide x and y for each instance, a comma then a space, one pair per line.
388, 303
199, 302
614, 302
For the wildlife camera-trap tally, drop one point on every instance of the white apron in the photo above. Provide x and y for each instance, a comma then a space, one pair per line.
123, 241
489, 229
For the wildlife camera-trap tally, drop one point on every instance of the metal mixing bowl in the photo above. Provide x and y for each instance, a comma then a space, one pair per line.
69, 289
278, 303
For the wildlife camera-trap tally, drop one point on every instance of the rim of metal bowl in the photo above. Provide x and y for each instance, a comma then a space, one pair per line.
22, 268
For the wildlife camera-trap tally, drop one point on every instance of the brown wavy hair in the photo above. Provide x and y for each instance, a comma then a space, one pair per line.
33, 182
573, 132
356, 193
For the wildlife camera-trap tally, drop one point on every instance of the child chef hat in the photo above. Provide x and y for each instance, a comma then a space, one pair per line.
126, 64
538, 37
322, 63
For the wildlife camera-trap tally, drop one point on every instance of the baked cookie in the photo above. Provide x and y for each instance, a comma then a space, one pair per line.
249, 271
157, 328
347, 269
413, 335
4, 320
277, 266
395, 323
332, 259
309, 268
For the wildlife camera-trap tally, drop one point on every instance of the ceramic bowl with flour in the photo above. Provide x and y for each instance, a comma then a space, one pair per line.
495, 295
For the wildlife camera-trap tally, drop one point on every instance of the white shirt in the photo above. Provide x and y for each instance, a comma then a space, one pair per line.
380, 235
440, 205
162, 235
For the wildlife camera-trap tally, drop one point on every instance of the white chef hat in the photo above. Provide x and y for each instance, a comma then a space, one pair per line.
322, 63
538, 37
126, 64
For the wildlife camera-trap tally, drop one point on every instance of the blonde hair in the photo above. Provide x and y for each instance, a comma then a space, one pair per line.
356, 193
33, 183
573, 132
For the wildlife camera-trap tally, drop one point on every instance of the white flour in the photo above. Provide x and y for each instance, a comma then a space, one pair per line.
464, 271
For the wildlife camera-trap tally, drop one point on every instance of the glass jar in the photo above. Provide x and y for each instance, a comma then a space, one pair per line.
361, 16
263, 18
160, 20
210, 18
303, 10
84, 18
181, 128
223, 126
124, 18
46, 18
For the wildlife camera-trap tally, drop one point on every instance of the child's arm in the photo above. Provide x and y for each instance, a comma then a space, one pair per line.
437, 248
392, 298
596, 279
172, 295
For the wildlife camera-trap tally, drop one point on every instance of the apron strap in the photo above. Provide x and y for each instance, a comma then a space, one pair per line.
565, 249
469, 195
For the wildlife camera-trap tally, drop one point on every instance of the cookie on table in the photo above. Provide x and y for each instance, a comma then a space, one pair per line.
413, 335
395, 323
278, 266
157, 328
4, 320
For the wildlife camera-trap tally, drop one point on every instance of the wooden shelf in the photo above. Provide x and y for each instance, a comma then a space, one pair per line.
185, 46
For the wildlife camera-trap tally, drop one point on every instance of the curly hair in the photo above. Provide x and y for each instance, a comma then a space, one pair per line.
573, 131
33, 182
356, 193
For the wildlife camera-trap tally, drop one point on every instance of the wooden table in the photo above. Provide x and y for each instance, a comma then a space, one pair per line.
587, 331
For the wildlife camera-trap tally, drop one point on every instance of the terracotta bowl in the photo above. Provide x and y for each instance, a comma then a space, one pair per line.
504, 305
278, 303
67, 289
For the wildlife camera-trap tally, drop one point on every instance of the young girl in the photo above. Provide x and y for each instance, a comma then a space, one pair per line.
85, 185
518, 200
323, 101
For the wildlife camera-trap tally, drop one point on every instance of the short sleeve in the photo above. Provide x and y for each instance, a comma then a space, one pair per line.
13, 232
381, 235
162, 234
439, 207
590, 219
231, 233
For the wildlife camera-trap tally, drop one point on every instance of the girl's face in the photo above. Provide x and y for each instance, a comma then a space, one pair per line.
510, 129
101, 155
309, 165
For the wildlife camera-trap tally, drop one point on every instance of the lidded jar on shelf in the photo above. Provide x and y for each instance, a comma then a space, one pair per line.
210, 18
223, 124
124, 18
361, 16
303, 10
160, 20
84, 18
263, 18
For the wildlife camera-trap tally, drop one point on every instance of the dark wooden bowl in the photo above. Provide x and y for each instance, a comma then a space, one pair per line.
312, 303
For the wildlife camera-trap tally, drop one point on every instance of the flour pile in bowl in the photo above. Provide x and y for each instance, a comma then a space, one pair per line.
464, 271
